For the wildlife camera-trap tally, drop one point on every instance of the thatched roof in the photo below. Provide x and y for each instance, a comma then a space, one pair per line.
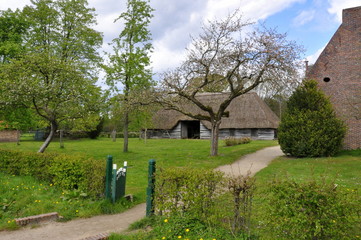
246, 111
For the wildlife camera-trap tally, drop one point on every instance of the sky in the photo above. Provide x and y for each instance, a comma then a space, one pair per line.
310, 23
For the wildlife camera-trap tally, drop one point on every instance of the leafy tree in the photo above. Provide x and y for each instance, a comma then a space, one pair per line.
13, 27
309, 127
241, 60
55, 75
129, 65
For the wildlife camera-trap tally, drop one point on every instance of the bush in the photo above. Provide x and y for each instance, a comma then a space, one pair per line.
311, 210
65, 171
186, 191
231, 141
309, 127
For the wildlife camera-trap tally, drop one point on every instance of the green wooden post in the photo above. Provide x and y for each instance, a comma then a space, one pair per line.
108, 177
150, 188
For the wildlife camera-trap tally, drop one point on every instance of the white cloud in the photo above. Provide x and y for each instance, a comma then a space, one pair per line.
304, 17
336, 7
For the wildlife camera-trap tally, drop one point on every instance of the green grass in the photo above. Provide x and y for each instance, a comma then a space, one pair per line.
167, 152
344, 169
25, 196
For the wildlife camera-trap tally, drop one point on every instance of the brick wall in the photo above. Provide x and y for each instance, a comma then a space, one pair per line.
8, 136
338, 72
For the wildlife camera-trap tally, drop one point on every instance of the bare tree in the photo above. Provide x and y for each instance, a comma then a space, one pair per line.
244, 60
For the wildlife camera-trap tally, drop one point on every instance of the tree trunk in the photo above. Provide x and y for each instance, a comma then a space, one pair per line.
214, 137
53, 128
125, 131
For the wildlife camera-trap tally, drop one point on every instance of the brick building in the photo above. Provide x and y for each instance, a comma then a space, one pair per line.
338, 72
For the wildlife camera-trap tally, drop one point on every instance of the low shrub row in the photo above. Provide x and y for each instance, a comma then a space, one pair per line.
195, 204
231, 141
65, 171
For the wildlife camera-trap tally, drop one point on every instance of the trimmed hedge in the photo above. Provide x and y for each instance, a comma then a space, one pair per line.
68, 172
231, 141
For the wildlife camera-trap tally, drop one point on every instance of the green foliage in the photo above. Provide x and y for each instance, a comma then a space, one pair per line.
68, 172
186, 191
312, 210
231, 141
94, 134
177, 227
13, 27
129, 65
55, 74
309, 128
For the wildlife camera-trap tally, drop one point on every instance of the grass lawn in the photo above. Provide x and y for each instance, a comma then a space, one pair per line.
344, 169
167, 152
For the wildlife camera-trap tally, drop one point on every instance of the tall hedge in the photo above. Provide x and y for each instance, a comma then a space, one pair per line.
65, 171
309, 127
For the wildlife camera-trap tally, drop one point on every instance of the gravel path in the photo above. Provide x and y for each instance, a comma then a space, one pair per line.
88, 227
253, 162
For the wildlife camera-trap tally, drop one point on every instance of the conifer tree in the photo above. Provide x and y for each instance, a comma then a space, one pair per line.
309, 127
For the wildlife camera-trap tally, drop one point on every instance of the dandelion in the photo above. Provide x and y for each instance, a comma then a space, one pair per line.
165, 220
51, 184
179, 236
76, 211
9, 221
187, 230
163, 237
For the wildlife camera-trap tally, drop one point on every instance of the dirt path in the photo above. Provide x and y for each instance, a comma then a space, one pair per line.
87, 227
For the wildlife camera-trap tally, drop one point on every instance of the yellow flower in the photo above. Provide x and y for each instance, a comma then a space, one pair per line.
51, 184
9, 221
77, 211
165, 220
163, 237
187, 230
179, 236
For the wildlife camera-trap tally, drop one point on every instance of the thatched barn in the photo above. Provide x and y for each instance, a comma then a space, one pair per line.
249, 116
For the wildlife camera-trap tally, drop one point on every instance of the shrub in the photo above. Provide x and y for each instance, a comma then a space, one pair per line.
186, 191
309, 127
311, 210
231, 141
66, 171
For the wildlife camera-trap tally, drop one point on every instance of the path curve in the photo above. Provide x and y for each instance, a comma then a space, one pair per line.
253, 162
87, 227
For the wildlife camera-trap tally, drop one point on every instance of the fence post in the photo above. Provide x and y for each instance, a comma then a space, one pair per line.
114, 183
108, 177
150, 188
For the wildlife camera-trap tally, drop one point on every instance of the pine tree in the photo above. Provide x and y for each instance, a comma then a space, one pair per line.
309, 127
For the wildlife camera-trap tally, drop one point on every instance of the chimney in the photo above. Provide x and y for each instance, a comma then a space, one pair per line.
351, 17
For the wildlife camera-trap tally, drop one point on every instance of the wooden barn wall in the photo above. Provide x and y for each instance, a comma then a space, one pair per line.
261, 134
172, 133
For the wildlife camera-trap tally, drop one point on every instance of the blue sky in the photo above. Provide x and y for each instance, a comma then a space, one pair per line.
309, 22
